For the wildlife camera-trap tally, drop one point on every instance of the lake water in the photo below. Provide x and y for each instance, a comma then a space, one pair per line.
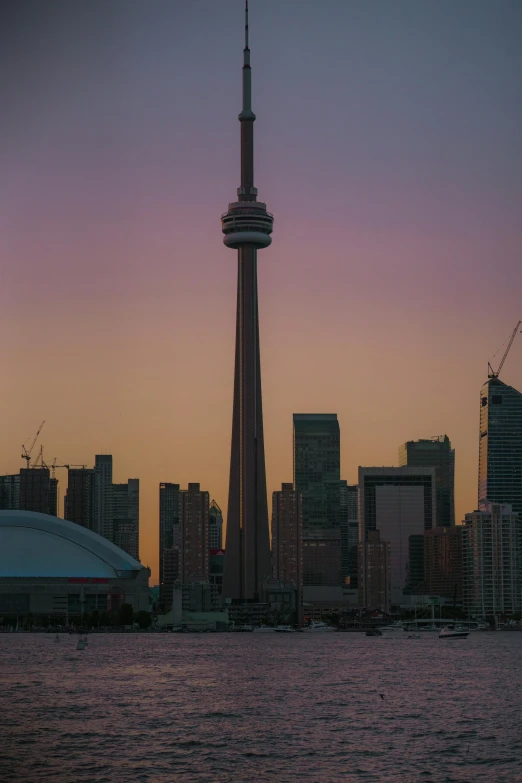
260, 708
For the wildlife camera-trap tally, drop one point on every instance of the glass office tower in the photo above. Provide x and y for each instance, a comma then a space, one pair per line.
500, 445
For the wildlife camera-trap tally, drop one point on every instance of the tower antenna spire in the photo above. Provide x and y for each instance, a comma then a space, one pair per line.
246, 24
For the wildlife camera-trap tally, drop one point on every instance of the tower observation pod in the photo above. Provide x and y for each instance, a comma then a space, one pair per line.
247, 227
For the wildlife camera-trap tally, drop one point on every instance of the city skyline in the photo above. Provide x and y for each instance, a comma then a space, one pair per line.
389, 260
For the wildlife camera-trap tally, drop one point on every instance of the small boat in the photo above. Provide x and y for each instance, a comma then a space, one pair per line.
264, 629
82, 644
315, 627
392, 631
453, 633
284, 629
373, 632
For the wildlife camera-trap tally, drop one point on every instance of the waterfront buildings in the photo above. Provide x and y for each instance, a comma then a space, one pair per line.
500, 445
375, 576
400, 504
247, 227
215, 526
317, 467
287, 523
435, 453
443, 562
492, 561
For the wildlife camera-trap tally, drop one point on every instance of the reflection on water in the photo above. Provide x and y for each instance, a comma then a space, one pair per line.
260, 708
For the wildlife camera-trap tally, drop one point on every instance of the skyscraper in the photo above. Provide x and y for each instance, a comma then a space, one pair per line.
79, 500
215, 526
287, 532
247, 227
317, 469
375, 579
500, 445
35, 491
435, 453
492, 561
10, 492
443, 562
126, 516
169, 535
103, 495
349, 533
400, 504
193, 518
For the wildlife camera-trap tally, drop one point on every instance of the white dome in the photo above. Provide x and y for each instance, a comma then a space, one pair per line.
38, 545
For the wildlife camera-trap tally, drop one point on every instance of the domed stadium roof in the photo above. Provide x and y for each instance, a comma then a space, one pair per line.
38, 545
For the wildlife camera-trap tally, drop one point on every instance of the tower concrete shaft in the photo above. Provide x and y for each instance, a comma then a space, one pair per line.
247, 227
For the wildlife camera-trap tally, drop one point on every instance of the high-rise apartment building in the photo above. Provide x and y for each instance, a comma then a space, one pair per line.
400, 504
10, 492
443, 562
435, 453
375, 576
169, 530
287, 523
35, 491
170, 567
194, 508
492, 561
215, 526
126, 516
103, 495
79, 498
500, 445
247, 227
317, 468
349, 503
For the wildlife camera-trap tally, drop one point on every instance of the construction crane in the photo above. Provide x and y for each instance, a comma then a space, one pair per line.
491, 372
54, 465
26, 452
39, 461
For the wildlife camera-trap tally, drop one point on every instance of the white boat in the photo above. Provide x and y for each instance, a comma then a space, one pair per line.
245, 628
318, 628
393, 631
284, 629
453, 633
264, 629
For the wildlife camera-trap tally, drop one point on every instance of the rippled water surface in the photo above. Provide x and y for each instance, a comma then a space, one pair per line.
254, 707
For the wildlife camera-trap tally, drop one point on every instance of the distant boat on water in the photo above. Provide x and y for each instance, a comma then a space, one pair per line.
453, 633
316, 627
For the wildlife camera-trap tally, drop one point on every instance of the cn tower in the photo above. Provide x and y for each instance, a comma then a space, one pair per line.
247, 227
